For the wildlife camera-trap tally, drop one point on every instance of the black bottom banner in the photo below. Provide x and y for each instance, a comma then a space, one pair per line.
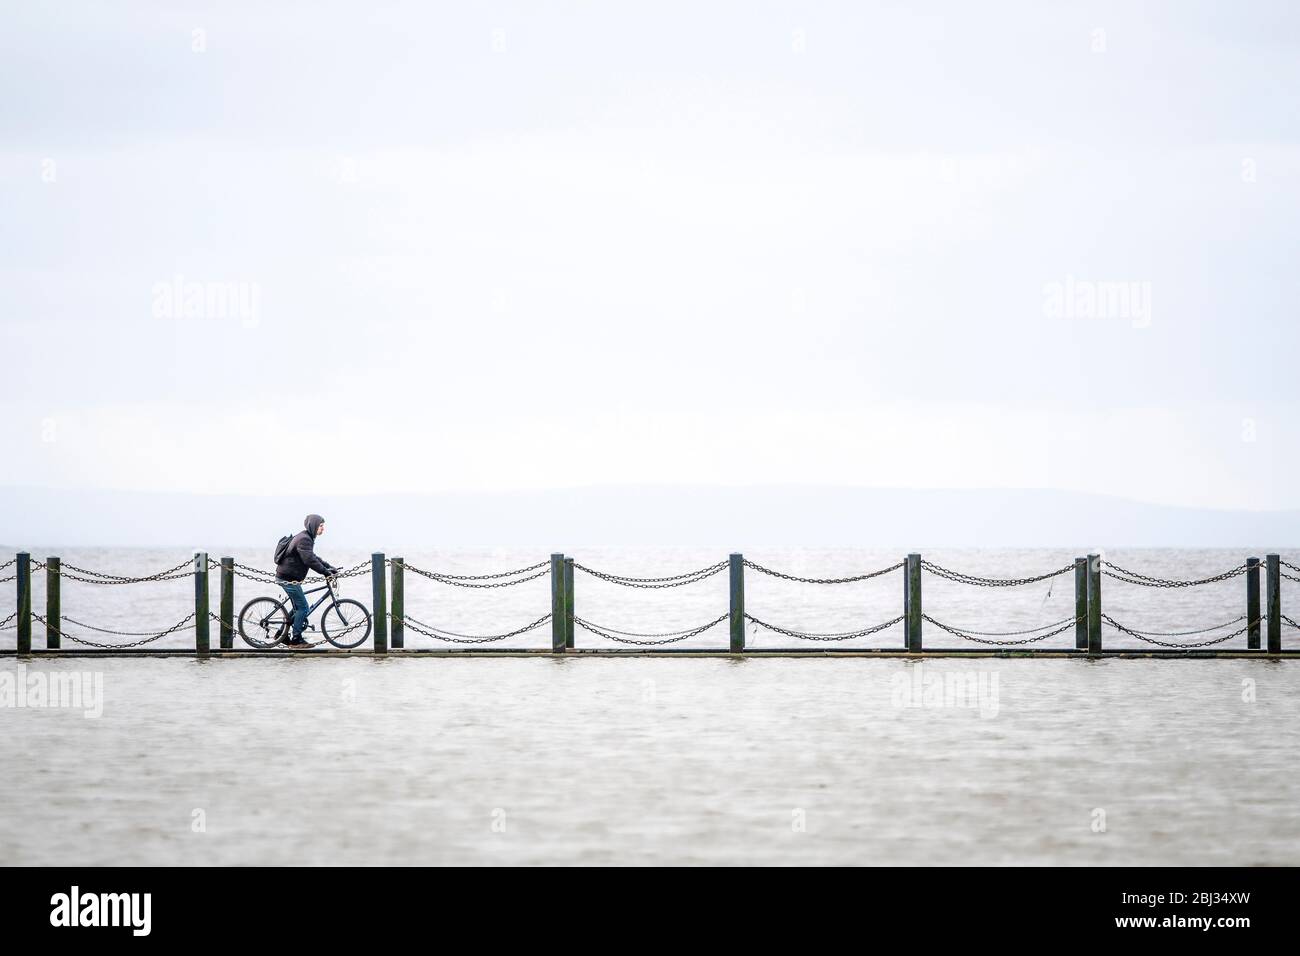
341, 905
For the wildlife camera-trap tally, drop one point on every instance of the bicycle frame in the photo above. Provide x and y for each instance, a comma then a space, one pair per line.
329, 593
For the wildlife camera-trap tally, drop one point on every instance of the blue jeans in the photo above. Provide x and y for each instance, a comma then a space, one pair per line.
299, 606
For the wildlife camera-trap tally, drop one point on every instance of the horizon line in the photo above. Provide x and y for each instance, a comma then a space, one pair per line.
553, 489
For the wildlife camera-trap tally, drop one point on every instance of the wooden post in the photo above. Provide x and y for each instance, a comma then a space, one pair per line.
379, 587
907, 600
53, 603
913, 623
1252, 604
1080, 604
398, 575
568, 602
737, 568
227, 613
1273, 601
1094, 603
201, 603
24, 575
558, 642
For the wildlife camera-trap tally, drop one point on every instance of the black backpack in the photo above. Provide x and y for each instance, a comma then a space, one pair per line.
282, 548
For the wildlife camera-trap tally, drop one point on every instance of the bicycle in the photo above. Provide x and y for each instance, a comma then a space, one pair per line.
265, 621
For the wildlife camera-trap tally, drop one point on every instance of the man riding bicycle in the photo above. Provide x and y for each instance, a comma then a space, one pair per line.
292, 569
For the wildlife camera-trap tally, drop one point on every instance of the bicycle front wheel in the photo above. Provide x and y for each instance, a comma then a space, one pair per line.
345, 623
264, 622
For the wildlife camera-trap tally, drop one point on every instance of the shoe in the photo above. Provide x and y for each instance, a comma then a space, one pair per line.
297, 641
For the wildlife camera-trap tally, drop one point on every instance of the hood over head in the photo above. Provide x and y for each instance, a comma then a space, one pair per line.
312, 523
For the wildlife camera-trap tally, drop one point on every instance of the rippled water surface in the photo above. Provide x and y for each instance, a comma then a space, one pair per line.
509, 760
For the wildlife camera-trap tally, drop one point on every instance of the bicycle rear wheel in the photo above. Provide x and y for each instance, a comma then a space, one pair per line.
264, 622
345, 623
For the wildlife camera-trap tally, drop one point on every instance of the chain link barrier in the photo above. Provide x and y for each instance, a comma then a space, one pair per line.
522, 575
962, 577
841, 636
357, 570
87, 576
451, 637
185, 570
849, 580
674, 581
444, 576
252, 574
1137, 578
1144, 635
981, 637
1200, 630
466, 582
149, 639
648, 640
1147, 581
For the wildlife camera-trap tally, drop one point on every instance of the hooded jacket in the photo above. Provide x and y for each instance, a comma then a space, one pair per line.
301, 553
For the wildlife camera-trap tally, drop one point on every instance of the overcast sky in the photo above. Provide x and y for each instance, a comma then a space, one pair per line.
517, 246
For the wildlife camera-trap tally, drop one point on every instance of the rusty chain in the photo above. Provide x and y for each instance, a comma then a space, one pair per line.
74, 573
147, 640
356, 570
1202, 630
1145, 580
962, 577
1142, 636
794, 577
979, 637
674, 581
842, 636
451, 637
464, 582
252, 574
648, 640
442, 575
105, 630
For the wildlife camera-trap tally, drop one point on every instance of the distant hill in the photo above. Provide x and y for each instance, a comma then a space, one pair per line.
732, 518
